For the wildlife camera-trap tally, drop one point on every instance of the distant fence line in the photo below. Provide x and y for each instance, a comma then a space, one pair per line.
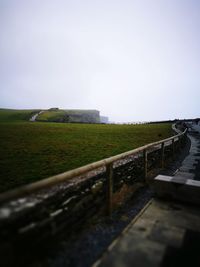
107, 163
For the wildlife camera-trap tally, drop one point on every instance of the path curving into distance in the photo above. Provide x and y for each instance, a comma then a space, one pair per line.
33, 118
166, 231
189, 167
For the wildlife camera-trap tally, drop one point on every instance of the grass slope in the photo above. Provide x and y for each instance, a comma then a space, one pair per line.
75, 115
51, 115
32, 151
11, 115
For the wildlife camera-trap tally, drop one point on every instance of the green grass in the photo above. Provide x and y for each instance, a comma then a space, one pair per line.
51, 115
10, 115
60, 115
33, 151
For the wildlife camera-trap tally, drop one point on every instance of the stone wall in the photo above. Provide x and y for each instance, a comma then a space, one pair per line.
32, 224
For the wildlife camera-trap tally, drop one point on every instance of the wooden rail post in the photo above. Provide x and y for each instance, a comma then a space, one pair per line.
182, 140
109, 176
145, 163
173, 148
179, 143
185, 136
162, 154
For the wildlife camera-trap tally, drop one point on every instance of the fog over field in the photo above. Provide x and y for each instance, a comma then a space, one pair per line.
132, 60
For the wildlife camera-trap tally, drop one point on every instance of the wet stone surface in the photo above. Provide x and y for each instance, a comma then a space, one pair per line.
188, 164
166, 234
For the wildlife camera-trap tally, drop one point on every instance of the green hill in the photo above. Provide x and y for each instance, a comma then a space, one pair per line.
51, 115
33, 151
9, 115
74, 115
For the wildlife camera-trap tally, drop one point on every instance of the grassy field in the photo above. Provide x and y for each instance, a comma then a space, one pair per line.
31, 151
51, 115
11, 115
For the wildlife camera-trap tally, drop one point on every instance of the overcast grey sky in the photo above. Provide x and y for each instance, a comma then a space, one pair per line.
132, 60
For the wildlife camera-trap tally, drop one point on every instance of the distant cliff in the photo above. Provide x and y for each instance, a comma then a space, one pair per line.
74, 115
104, 119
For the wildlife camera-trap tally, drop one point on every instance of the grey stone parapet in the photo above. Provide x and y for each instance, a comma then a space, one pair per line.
178, 188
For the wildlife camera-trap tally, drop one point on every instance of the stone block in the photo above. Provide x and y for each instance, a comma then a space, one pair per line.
187, 175
189, 165
178, 188
186, 169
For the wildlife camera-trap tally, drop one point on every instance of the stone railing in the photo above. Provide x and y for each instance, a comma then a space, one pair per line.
32, 214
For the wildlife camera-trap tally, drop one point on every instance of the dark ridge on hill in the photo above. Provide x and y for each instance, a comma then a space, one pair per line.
175, 121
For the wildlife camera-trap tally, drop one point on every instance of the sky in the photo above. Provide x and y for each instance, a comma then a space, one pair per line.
133, 60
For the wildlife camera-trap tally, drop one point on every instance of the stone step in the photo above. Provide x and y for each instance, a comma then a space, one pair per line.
189, 165
177, 188
187, 175
190, 160
194, 155
186, 169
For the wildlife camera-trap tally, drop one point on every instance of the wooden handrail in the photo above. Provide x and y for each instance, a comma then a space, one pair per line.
56, 179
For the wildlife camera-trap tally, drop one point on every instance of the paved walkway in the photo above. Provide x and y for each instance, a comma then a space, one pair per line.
167, 231
164, 234
189, 165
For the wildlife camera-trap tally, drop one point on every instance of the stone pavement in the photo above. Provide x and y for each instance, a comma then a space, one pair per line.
164, 234
167, 231
188, 168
